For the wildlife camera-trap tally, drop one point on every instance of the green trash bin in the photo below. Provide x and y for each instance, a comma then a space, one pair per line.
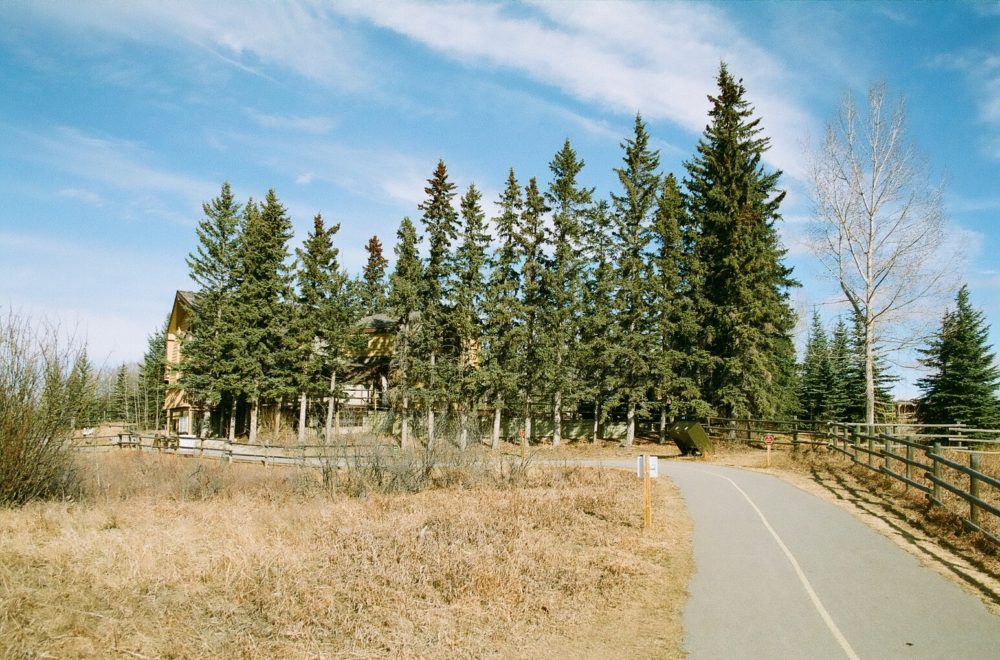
690, 438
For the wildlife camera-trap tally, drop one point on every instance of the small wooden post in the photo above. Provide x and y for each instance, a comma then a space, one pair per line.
974, 489
854, 441
909, 457
886, 448
768, 454
936, 471
795, 434
871, 449
647, 494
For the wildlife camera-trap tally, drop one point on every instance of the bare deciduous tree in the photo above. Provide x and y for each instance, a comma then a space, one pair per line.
879, 220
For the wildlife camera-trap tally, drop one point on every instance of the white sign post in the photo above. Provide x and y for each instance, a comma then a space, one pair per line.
768, 441
646, 469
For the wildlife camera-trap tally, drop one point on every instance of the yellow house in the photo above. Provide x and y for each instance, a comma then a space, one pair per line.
179, 411
366, 375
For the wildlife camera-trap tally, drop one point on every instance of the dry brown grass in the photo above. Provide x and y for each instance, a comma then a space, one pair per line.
176, 558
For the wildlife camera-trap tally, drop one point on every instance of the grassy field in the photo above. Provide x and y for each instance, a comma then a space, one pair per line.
175, 558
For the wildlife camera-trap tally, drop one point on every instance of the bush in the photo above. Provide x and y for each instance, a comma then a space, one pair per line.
36, 412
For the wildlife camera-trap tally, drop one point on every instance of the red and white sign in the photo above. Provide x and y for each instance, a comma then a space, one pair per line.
768, 439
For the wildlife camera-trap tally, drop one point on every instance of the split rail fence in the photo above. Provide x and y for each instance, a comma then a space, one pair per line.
954, 466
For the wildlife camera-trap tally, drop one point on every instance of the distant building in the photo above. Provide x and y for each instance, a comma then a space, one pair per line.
365, 376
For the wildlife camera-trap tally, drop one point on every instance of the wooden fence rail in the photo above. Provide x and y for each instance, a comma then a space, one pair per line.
916, 459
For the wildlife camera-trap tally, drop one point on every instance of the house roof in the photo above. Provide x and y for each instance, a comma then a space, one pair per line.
378, 323
189, 298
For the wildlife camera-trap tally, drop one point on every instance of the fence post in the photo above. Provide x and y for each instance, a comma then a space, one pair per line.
974, 489
886, 449
854, 442
936, 471
871, 449
795, 434
909, 457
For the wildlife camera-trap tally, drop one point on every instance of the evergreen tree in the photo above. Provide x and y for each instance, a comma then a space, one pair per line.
209, 372
152, 377
501, 307
735, 203
530, 248
962, 384
838, 391
121, 407
323, 318
883, 377
563, 281
816, 371
264, 356
673, 365
81, 393
405, 302
634, 209
373, 289
470, 257
438, 351
596, 346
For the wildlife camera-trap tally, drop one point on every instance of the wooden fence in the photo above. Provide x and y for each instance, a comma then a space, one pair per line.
340, 454
933, 459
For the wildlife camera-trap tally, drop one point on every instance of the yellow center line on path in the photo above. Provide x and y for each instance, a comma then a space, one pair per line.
817, 603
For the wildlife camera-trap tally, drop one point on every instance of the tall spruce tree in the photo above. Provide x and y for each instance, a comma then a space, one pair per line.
563, 281
962, 384
735, 203
152, 377
501, 305
531, 251
816, 372
838, 391
633, 216
209, 372
322, 319
882, 376
470, 258
598, 328
405, 302
264, 356
373, 284
673, 367
438, 348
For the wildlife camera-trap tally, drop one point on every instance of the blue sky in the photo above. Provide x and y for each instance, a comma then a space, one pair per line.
118, 119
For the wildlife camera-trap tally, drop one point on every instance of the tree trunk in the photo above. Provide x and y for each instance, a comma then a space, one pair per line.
526, 440
303, 404
430, 406
556, 418
253, 421
463, 428
404, 439
495, 435
663, 423
231, 435
330, 403
206, 422
597, 422
630, 430
869, 376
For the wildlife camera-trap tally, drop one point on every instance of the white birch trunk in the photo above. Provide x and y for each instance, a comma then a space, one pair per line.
303, 405
495, 435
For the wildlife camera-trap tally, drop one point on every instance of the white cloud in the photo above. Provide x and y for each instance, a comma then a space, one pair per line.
304, 179
982, 69
114, 163
660, 59
81, 194
315, 124
297, 35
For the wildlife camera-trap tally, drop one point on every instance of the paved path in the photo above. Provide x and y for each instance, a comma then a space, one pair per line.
780, 573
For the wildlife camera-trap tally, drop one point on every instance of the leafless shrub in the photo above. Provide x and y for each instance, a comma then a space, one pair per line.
35, 405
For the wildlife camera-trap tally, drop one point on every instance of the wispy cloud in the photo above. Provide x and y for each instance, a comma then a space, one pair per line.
982, 69
314, 124
88, 196
297, 35
659, 59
